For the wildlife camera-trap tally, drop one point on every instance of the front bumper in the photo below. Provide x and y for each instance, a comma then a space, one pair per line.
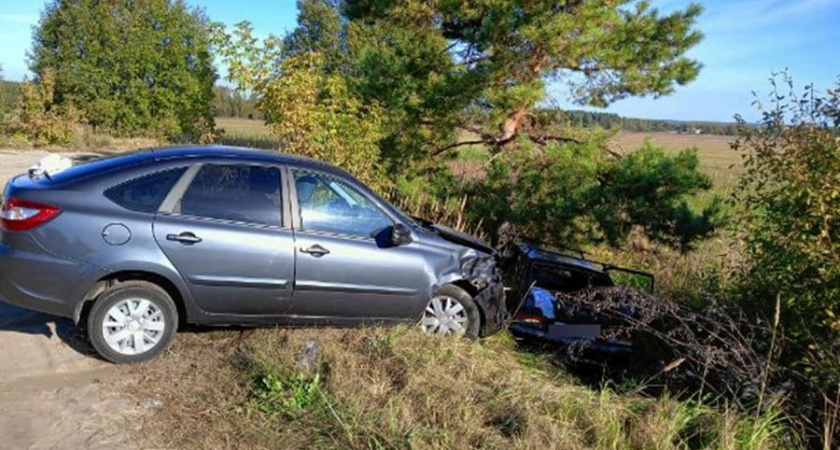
491, 300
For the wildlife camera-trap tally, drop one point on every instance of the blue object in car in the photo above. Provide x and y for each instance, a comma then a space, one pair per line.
542, 300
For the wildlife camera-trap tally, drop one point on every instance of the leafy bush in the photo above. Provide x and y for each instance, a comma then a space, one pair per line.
314, 114
39, 120
311, 110
790, 197
574, 194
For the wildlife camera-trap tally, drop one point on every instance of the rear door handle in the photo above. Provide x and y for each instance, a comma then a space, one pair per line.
186, 238
316, 251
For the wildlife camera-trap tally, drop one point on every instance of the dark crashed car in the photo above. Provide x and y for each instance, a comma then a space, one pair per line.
546, 303
138, 243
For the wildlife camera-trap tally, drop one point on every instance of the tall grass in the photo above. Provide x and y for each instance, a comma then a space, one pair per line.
397, 388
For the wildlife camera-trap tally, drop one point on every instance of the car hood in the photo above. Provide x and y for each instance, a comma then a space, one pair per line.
457, 237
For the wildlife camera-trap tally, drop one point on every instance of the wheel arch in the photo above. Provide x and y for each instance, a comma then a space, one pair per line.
486, 309
110, 279
469, 288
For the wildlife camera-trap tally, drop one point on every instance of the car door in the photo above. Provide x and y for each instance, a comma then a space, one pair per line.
226, 236
346, 265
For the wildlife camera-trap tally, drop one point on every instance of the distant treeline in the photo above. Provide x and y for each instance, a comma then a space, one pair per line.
9, 93
229, 102
614, 121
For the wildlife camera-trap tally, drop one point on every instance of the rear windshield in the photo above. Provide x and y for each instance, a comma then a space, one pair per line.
84, 166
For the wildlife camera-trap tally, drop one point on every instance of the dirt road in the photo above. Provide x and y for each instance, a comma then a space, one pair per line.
52, 393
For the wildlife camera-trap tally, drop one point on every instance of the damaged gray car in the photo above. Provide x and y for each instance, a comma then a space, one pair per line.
134, 245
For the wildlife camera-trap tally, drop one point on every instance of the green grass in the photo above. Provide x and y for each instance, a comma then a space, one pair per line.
396, 388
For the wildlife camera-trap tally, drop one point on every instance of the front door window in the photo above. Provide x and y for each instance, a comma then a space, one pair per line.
331, 206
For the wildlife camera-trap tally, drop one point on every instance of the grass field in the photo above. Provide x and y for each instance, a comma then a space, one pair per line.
243, 127
396, 388
246, 133
717, 159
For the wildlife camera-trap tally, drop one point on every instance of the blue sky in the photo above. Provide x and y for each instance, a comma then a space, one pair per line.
746, 40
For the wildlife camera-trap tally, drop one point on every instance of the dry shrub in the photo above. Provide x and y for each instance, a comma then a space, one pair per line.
710, 350
716, 352
400, 389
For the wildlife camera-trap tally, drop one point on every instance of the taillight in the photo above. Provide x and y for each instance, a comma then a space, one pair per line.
21, 215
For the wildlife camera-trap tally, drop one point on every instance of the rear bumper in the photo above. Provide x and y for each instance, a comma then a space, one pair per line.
40, 281
492, 303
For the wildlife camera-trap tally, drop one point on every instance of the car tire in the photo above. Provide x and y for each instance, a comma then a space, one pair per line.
132, 322
451, 311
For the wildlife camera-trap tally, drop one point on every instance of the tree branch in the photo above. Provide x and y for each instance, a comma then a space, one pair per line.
544, 140
446, 148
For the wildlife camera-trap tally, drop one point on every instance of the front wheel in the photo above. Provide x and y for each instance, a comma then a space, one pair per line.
451, 312
132, 322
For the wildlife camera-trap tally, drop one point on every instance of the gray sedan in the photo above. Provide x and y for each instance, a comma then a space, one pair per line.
138, 243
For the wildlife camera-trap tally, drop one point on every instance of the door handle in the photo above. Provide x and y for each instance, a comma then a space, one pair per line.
186, 238
316, 251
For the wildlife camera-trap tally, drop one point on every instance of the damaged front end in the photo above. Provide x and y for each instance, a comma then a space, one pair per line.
486, 279
476, 269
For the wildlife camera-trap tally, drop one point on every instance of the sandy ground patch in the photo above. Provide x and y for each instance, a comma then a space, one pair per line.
51, 386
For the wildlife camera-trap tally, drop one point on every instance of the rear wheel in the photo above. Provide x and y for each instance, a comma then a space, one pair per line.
451, 312
132, 322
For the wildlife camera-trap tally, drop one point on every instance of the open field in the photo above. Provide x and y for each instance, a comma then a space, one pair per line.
243, 127
245, 133
717, 159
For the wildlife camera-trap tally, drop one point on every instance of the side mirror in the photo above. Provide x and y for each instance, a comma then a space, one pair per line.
400, 235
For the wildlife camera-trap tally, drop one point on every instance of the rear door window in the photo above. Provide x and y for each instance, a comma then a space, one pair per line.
144, 194
238, 193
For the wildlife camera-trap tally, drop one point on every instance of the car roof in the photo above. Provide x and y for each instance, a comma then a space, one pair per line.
182, 153
545, 255
241, 154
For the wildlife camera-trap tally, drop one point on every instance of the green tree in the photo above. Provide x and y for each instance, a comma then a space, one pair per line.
4, 106
229, 102
139, 67
451, 74
501, 54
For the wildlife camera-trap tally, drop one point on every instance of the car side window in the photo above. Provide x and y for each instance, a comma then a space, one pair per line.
239, 193
146, 193
332, 206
